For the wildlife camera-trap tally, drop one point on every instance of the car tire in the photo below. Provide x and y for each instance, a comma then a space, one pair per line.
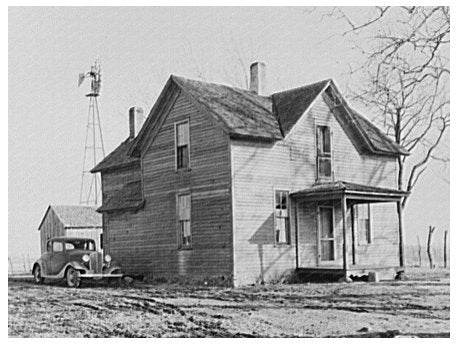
72, 277
37, 275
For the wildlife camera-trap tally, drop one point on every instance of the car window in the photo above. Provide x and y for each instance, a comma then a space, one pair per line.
49, 247
80, 245
57, 246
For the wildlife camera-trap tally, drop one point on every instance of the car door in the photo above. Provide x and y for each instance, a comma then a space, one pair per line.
57, 259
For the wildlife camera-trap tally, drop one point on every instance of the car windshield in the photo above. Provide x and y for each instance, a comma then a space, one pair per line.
80, 245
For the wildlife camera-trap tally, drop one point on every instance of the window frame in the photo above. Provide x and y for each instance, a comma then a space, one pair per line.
288, 217
182, 246
367, 237
320, 238
321, 155
175, 127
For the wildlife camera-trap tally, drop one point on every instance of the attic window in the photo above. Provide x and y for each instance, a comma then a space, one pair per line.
182, 145
324, 149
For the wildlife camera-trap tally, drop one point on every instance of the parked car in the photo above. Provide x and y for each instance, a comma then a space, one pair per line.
72, 260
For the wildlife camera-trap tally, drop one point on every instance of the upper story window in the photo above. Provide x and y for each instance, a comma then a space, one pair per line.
324, 149
363, 223
282, 228
184, 221
182, 145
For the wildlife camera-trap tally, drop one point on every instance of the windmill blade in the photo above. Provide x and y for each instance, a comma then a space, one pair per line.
81, 77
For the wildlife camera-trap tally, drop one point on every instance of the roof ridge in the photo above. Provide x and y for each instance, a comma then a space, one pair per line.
324, 81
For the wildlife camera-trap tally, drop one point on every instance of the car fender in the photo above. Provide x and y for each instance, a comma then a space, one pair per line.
42, 265
75, 265
111, 269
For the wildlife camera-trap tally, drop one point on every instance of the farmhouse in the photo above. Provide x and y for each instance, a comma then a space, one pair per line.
236, 185
72, 221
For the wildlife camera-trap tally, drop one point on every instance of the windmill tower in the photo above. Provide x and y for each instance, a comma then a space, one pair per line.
94, 150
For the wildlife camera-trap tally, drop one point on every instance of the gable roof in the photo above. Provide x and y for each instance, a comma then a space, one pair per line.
290, 105
76, 216
245, 114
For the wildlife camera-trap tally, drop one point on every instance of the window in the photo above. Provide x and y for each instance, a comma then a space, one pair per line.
184, 221
182, 145
326, 223
57, 246
363, 223
282, 230
324, 159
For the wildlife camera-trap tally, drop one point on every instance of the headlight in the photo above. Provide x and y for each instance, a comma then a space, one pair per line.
85, 258
108, 258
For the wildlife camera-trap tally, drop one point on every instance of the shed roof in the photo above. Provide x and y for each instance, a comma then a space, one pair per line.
128, 198
76, 216
346, 186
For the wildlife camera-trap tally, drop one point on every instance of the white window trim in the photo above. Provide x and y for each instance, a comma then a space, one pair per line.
288, 230
176, 145
331, 154
177, 202
359, 240
320, 260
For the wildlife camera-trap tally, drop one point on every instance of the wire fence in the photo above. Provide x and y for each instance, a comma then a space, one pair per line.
20, 265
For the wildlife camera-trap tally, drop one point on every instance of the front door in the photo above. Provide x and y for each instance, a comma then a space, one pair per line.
326, 230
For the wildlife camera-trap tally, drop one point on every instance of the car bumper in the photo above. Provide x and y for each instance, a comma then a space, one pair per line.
100, 276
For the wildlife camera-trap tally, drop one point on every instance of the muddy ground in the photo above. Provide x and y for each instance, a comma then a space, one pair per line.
419, 306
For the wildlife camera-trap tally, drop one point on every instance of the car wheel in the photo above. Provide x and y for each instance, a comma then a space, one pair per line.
73, 278
37, 275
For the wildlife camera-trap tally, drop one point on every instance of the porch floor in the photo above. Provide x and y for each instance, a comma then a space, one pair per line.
357, 273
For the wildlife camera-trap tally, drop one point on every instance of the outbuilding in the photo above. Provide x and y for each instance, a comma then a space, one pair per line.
78, 221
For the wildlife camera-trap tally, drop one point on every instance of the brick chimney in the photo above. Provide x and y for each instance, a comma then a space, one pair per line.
258, 78
136, 120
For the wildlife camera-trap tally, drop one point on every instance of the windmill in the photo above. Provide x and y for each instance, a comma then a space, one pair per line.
93, 147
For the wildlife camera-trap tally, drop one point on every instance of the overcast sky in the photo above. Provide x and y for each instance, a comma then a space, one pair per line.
139, 49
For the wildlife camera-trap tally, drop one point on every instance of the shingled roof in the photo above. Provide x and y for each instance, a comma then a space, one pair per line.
290, 105
76, 216
245, 114
117, 158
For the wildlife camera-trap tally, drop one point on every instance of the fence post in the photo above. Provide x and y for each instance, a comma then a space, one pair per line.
11, 265
430, 233
445, 248
419, 251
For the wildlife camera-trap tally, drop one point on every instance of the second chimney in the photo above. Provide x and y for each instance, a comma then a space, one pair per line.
258, 78
136, 120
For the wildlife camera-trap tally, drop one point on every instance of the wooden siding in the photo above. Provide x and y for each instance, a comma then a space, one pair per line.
50, 227
260, 168
146, 242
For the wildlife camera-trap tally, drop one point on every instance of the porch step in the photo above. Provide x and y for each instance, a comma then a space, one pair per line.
327, 275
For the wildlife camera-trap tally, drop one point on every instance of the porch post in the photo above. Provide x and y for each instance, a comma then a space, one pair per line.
296, 220
344, 232
401, 235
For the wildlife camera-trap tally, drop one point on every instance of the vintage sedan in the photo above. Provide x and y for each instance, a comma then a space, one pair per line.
72, 260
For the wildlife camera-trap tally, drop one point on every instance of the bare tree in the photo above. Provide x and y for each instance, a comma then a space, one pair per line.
405, 80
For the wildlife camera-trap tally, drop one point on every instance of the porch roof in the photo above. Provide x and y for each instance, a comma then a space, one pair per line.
357, 192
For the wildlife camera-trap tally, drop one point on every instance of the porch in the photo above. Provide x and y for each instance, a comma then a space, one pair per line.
338, 236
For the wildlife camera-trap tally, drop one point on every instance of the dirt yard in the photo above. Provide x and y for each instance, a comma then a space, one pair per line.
418, 306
